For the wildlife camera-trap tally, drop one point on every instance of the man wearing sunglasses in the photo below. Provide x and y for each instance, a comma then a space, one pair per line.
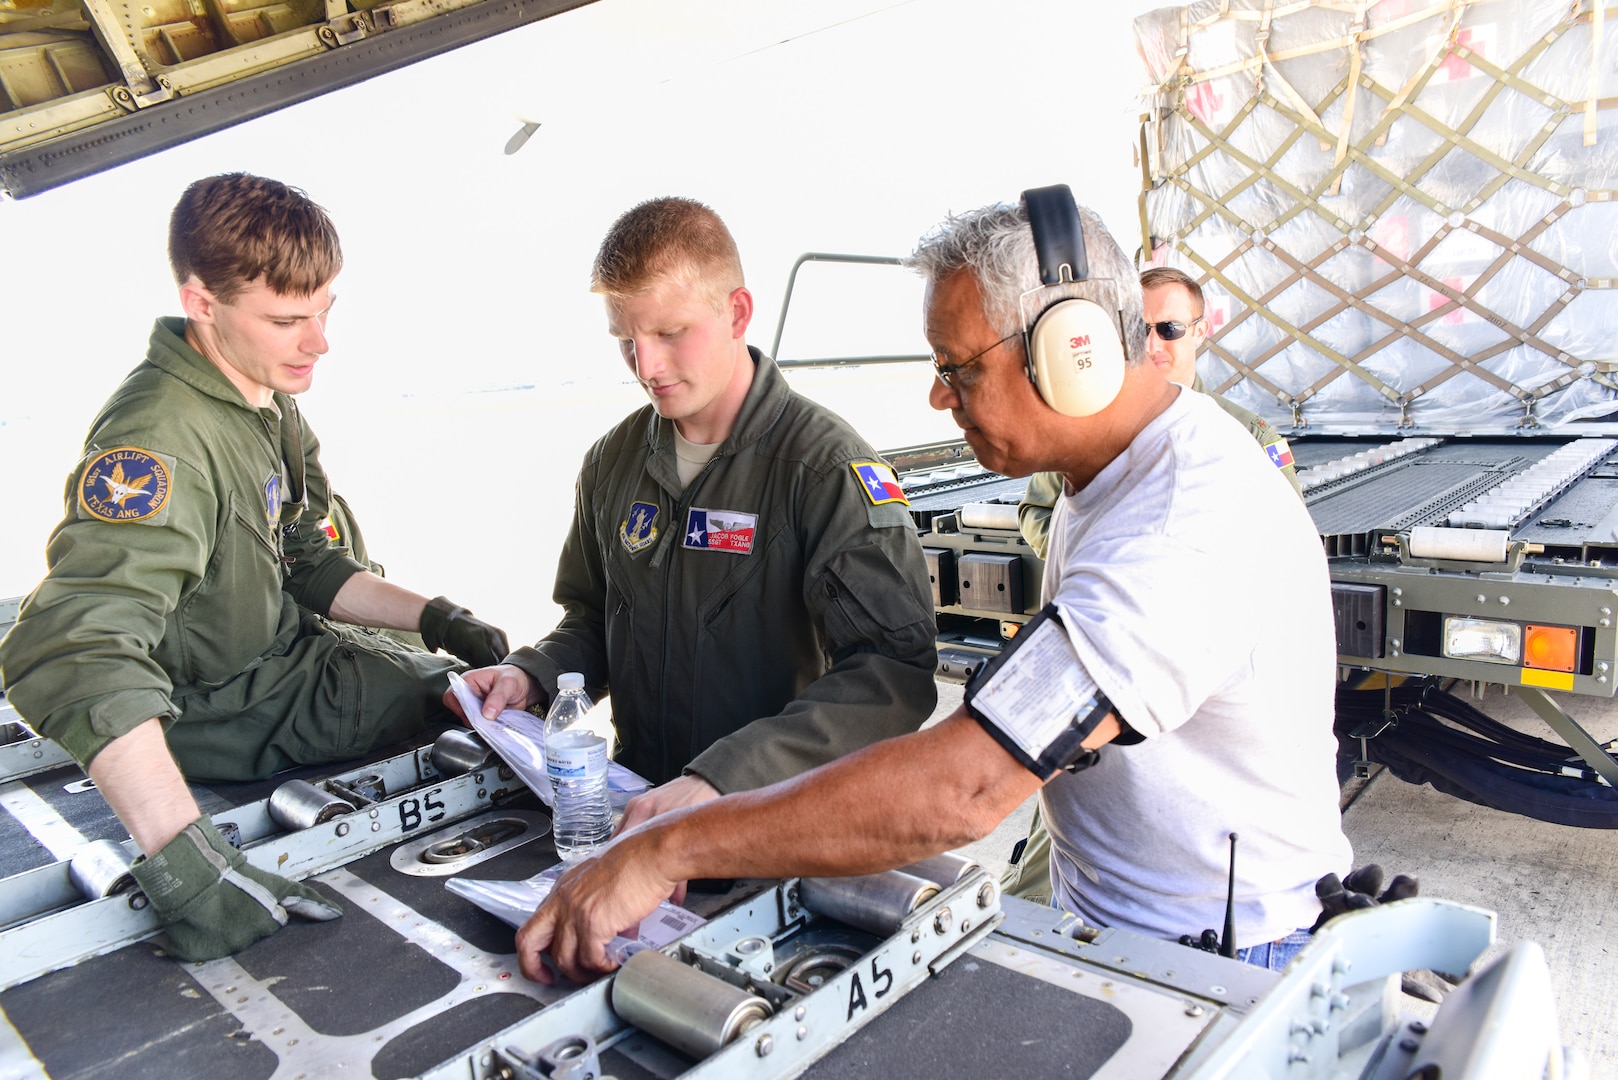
1175, 331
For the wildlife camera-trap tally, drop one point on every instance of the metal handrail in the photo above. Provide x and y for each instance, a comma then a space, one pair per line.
786, 302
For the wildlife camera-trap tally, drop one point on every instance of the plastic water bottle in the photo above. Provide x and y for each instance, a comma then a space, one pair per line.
576, 761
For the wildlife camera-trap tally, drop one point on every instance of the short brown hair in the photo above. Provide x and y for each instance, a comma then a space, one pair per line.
1159, 276
233, 229
668, 238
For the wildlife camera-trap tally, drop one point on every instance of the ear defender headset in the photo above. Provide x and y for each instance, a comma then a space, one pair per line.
1075, 346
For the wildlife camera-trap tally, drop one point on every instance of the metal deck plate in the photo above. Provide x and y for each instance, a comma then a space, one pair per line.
979, 1018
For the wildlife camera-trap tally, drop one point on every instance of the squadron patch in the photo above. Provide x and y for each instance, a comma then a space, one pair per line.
1280, 453
272, 499
637, 532
329, 527
720, 530
125, 485
880, 484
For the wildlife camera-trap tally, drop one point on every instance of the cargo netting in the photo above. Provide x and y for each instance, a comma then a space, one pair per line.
1402, 213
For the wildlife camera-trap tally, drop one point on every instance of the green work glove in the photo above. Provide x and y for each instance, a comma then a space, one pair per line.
212, 902
448, 626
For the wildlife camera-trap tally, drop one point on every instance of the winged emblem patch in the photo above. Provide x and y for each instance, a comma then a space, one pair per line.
124, 485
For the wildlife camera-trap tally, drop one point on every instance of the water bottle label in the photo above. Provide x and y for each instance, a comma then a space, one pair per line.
578, 761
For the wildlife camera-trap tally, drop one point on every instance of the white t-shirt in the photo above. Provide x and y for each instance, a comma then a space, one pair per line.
1194, 588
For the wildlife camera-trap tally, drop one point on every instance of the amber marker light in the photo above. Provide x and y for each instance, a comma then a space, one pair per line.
1552, 648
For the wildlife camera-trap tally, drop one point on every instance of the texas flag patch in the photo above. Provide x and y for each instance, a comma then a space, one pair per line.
720, 530
1280, 453
880, 484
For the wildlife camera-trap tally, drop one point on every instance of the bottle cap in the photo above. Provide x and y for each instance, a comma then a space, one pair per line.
570, 680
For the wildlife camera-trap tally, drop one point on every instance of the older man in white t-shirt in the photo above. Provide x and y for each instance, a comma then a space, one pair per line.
1218, 647
1176, 688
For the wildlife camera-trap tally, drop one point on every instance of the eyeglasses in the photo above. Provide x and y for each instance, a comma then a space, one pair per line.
1173, 331
957, 376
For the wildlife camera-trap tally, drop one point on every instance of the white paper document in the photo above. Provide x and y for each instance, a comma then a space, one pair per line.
1035, 694
518, 736
513, 901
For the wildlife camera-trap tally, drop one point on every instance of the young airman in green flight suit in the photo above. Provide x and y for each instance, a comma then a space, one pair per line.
188, 622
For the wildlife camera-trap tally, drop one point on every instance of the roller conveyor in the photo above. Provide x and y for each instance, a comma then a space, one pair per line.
925, 969
1489, 559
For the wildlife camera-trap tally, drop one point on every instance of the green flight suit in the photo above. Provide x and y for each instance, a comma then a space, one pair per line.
1030, 876
773, 615
189, 581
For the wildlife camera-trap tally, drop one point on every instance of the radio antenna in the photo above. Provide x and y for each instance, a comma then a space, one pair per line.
1227, 945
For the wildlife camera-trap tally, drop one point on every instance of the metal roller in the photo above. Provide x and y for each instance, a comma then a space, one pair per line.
943, 870
460, 751
692, 1012
298, 804
981, 515
876, 903
101, 868
1467, 545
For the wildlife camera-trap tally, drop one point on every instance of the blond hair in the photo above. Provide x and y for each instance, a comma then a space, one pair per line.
668, 239
1159, 276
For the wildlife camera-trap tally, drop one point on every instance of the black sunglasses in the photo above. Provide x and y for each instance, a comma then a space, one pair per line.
1173, 331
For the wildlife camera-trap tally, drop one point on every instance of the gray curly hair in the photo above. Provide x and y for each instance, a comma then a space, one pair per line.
996, 245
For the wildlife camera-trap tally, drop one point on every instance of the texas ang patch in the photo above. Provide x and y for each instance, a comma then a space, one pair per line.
126, 485
879, 483
637, 532
1280, 453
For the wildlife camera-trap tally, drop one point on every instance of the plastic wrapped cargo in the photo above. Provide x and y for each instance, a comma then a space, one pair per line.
1402, 213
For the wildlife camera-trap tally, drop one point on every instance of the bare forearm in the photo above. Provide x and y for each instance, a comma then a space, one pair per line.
367, 600
890, 804
140, 781
887, 805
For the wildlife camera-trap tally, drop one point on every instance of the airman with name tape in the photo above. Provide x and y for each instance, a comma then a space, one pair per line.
188, 624
1176, 688
742, 573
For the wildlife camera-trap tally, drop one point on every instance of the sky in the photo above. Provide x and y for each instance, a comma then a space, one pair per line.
470, 368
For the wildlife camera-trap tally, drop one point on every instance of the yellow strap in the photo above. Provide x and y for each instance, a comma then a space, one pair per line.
1351, 96
1598, 15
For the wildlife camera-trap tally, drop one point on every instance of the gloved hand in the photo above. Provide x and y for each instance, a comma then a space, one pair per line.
212, 902
448, 626
1358, 891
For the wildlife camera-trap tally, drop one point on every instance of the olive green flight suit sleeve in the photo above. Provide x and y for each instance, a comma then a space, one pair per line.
79, 664
867, 591
1267, 436
1034, 511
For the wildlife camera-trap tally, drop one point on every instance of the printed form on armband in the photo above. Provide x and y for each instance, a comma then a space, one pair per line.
1037, 700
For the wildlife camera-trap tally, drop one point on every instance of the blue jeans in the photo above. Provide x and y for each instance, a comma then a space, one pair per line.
1275, 955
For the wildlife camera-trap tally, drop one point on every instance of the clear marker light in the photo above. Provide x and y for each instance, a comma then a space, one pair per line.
1489, 640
